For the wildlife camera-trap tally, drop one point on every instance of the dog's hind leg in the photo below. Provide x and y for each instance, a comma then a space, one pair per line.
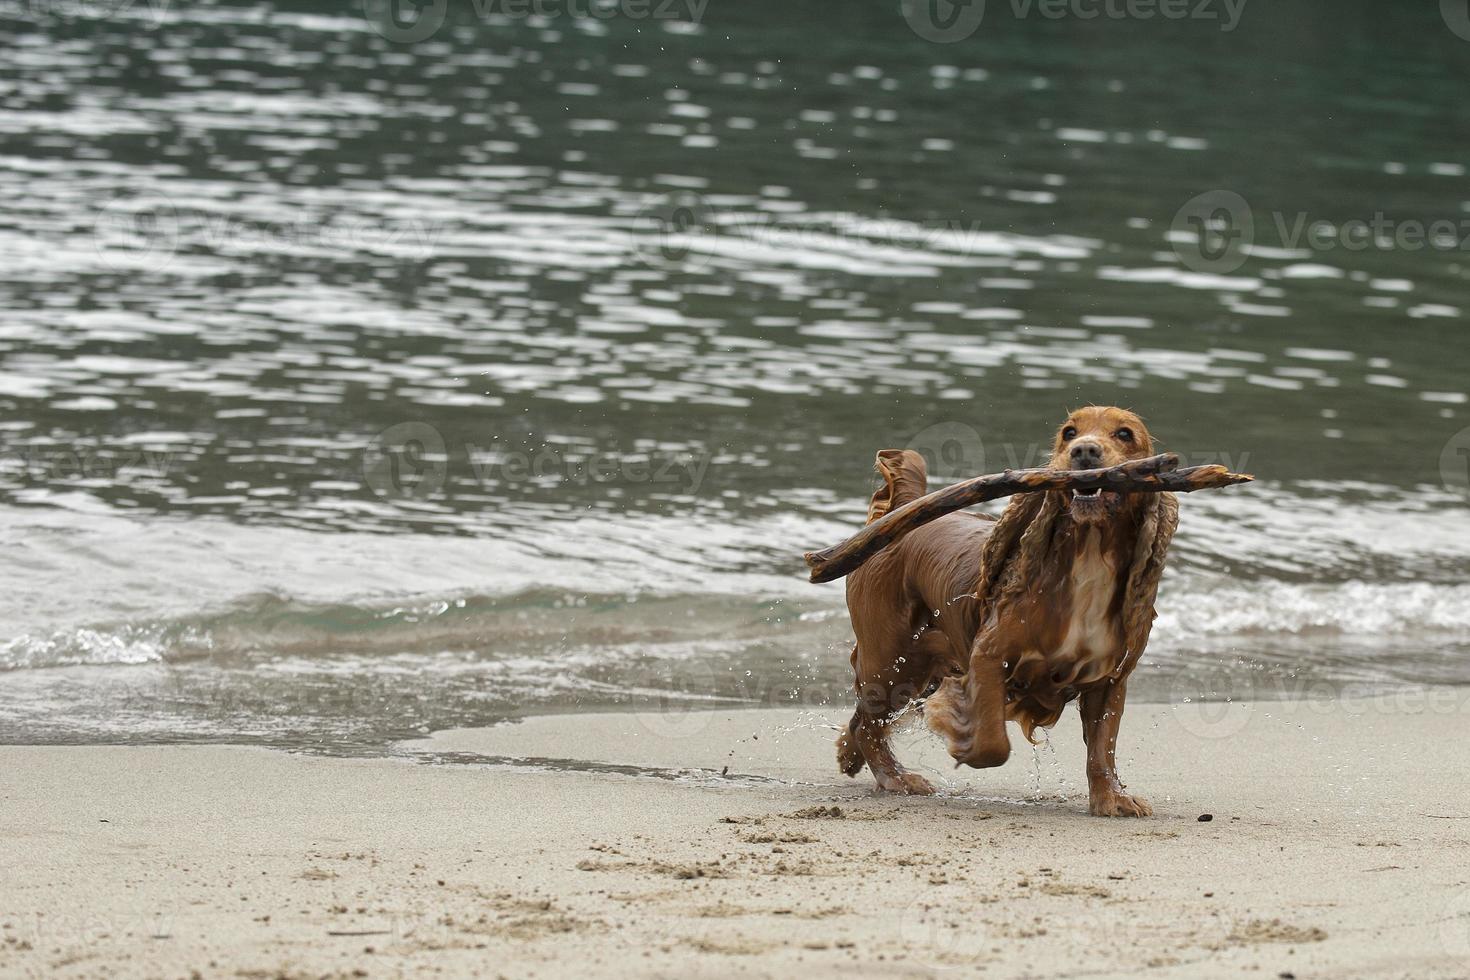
871, 736
880, 701
849, 757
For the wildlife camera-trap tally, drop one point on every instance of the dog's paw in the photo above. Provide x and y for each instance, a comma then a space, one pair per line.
907, 783
849, 757
1119, 805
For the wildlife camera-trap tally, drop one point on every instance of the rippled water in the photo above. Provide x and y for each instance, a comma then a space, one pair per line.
352, 387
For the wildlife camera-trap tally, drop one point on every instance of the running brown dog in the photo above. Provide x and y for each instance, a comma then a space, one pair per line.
1052, 601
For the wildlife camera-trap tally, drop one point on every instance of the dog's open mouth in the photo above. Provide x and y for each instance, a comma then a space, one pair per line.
1092, 505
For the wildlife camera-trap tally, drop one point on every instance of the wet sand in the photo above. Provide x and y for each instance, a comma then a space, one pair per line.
1338, 845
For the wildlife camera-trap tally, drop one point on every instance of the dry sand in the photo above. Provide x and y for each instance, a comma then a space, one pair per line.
1339, 847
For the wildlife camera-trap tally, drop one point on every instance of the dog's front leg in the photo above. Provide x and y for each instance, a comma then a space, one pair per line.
1102, 712
970, 712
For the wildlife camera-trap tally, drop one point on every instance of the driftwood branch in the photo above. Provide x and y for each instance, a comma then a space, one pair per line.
1154, 474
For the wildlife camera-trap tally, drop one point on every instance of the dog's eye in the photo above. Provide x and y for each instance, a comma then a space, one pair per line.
1124, 435
1069, 433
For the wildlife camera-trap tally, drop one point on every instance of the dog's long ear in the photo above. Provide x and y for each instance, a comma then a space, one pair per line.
1160, 518
1018, 540
1019, 520
905, 479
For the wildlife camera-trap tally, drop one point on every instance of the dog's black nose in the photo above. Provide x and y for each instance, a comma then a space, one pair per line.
1086, 456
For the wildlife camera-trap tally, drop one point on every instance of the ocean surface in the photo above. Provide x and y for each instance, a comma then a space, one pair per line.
356, 384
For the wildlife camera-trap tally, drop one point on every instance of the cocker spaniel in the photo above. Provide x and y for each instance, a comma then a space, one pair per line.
986, 620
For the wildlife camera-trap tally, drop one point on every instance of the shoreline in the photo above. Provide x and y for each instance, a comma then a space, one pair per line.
1301, 699
1338, 844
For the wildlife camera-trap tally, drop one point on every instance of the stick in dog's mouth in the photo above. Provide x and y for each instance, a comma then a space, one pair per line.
1152, 474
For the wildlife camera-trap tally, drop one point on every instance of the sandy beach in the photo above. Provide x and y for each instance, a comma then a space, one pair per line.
415, 416
1337, 844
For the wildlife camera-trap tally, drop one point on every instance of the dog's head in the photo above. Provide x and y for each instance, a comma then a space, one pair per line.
1032, 538
1092, 438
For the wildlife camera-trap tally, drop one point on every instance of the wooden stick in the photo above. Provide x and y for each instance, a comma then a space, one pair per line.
1153, 474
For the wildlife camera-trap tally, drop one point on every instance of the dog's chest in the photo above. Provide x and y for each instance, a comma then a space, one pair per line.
1089, 645
1064, 636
